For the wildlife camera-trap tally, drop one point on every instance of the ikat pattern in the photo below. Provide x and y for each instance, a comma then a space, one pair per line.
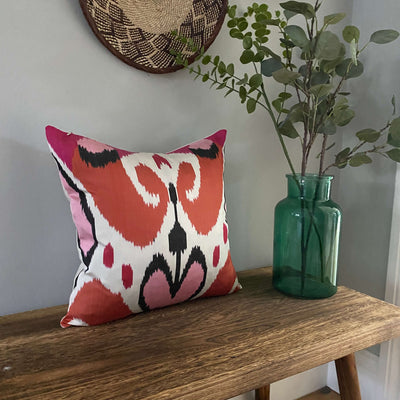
151, 228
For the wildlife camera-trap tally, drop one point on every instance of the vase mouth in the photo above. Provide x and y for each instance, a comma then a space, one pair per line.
311, 176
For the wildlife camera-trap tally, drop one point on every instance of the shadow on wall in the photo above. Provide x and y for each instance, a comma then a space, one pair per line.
37, 238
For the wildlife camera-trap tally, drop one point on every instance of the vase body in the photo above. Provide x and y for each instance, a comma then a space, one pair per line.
306, 238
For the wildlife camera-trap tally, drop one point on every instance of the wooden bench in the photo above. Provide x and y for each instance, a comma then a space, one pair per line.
209, 349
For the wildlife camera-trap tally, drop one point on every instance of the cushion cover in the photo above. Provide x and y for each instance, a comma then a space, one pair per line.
151, 228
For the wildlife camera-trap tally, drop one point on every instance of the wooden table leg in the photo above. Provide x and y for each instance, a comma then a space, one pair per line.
262, 393
346, 372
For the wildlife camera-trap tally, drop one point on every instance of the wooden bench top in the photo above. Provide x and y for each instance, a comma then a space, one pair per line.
209, 349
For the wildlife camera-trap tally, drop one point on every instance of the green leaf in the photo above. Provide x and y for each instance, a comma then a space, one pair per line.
289, 14
285, 76
262, 39
343, 116
262, 19
287, 129
206, 59
273, 22
319, 77
341, 158
297, 112
394, 154
242, 93
231, 23
329, 66
230, 69
261, 32
297, 35
341, 103
287, 43
328, 46
328, 127
251, 105
235, 33
277, 103
333, 18
221, 86
384, 36
247, 57
348, 68
232, 11
303, 70
257, 25
228, 92
393, 101
285, 95
205, 78
321, 90
394, 133
269, 52
322, 110
269, 66
255, 81
247, 42
244, 80
222, 68
297, 7
368, 135
359, 159
242, 25
351, 32
258, 57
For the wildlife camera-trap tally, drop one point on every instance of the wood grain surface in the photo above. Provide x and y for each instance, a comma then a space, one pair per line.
209, 349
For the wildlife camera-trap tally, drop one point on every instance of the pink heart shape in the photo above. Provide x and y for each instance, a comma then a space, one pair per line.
156, 291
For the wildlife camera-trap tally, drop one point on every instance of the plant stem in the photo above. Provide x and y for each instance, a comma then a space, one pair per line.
303, 244
322, 156
280, 137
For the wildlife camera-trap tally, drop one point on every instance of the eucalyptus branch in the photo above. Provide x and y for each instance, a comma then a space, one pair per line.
316, 82
231, 88
354, 152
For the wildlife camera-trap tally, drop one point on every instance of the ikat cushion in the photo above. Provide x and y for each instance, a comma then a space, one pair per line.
151, 228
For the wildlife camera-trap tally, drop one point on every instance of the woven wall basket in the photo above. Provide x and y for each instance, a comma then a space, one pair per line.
139, 32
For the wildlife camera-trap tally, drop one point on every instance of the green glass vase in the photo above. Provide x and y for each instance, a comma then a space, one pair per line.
306, 238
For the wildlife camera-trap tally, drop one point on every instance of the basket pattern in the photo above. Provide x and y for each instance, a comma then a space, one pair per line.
139, 47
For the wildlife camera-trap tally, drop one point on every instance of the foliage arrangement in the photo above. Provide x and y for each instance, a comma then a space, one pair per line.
312, 68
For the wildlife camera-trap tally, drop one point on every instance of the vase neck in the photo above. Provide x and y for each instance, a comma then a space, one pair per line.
309, 187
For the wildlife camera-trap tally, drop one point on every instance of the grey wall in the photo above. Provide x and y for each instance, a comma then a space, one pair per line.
366, 193
54, 71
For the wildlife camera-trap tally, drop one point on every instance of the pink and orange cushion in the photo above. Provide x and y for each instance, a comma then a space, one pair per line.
151, 228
